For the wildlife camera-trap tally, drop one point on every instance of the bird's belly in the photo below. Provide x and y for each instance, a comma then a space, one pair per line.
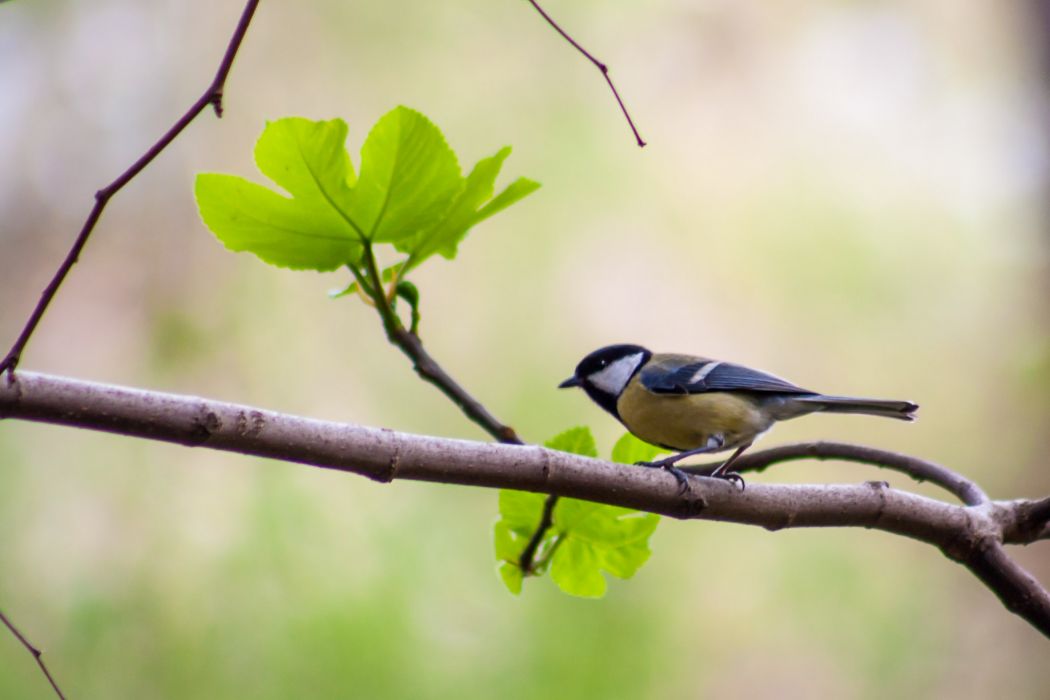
688, 421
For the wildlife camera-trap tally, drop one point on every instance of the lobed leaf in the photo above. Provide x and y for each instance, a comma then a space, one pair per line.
467, 210
311, 229
410, 192
409, 177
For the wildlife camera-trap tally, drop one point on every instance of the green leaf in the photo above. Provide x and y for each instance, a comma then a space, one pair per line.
625, 560
309, 230
618, 537
631, 450
578, 441
603, 525
575, 568
409, 177
521, 510
515, 191
508, 550
410, 193
445, 235
598, 538
512, 576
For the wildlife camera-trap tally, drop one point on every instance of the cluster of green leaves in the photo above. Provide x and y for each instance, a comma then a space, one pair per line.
585, 538
410, 194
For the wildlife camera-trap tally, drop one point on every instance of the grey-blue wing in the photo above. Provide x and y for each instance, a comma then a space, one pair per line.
710, 375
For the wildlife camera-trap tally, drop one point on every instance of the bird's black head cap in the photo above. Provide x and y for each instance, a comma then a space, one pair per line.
592, 373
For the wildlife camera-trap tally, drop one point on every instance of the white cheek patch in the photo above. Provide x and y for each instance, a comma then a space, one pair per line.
614, 378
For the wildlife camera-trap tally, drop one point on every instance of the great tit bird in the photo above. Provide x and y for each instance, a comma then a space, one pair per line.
695, 405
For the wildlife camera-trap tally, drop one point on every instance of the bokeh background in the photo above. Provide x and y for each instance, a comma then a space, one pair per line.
849, 194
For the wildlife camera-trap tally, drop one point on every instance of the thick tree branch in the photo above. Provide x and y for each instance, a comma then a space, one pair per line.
37, 654
212, 96
971, 535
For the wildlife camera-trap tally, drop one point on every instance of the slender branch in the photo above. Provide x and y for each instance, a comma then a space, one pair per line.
425, 365
211, 96
971, 535
598, 64
37, 654
919, 469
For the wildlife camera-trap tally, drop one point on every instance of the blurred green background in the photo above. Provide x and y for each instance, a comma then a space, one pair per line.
849, 194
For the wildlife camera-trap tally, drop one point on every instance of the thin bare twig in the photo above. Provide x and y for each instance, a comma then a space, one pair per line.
37, 654
919, 469
211, 96
971, 535
598, 64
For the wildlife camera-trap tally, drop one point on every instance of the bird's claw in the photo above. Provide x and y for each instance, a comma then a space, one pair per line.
734, 478
679, 476
657, 464
668, 466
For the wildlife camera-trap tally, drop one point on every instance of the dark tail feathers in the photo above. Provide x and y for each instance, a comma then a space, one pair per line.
901, 410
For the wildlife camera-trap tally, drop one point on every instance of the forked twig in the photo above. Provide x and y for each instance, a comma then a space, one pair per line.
598, 64
37, 654
212, 96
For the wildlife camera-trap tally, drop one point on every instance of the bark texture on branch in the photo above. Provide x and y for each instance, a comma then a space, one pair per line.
971, 535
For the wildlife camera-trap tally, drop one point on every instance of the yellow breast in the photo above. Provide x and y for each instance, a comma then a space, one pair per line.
689, 421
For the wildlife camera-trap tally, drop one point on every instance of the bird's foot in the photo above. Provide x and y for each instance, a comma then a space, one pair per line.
664, 463
732, 477
667, 464
680, 476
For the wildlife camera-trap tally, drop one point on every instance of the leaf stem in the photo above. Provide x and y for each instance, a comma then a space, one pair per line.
395, 279
364, 290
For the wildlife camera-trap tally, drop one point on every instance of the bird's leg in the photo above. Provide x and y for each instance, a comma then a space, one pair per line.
667, 463
722, 471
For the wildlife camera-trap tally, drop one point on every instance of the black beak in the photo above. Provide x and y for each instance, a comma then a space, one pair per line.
569, 383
